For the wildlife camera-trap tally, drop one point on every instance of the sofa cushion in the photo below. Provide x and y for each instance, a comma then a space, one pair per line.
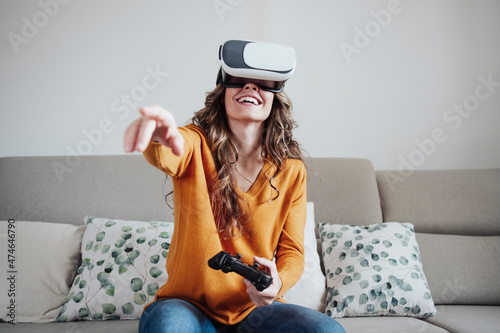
460, 202
388, 325
110, 326
467, 318
310, 291
45, 258
123, 265
462, 269
374, 270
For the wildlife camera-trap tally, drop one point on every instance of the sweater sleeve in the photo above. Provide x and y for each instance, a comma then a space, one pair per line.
290, 252
164, 159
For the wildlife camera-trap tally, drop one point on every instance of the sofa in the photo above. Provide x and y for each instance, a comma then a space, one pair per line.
454, 215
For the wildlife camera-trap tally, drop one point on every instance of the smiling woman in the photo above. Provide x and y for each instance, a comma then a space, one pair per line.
240, 187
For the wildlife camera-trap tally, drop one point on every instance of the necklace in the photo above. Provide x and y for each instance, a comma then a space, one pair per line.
239, 173
248, 180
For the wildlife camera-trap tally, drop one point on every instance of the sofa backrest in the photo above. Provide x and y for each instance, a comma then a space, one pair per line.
456, 214
460, 202
66, 189
344, 190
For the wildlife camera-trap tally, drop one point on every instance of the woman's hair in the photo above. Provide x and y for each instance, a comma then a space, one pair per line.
277, 146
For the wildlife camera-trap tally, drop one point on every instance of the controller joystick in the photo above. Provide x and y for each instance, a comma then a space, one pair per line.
226, 262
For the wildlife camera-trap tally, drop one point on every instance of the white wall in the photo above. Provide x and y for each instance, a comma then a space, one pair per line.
67, 67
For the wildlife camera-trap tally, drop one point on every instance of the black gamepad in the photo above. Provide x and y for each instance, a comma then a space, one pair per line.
226, 262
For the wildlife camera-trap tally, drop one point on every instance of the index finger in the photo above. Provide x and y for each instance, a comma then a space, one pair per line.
130, 136
270, 265
162, 116
144, 134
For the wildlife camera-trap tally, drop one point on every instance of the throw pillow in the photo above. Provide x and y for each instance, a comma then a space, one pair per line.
310, 291
42, 265
374, 270
123, 265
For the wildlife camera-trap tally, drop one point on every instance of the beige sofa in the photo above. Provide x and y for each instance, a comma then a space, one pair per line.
455, 214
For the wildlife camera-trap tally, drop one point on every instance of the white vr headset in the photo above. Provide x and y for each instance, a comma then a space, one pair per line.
266, 64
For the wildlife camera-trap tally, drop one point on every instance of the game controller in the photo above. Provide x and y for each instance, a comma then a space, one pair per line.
226, 262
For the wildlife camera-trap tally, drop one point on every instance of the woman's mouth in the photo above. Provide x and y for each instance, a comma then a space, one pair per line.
248, 100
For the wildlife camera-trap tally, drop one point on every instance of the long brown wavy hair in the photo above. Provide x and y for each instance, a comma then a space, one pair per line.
277, 146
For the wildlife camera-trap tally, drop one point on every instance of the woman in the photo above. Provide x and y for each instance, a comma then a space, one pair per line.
239, 186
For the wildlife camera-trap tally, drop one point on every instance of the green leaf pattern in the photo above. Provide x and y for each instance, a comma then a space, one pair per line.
123, 266
374, 270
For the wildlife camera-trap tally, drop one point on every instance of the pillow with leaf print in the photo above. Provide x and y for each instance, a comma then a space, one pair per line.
123, 265
374, 270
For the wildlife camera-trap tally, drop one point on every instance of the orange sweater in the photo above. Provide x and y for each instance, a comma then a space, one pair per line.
276, 229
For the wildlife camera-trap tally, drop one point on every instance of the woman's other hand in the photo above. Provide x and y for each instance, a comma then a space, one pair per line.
155, 124
268, 295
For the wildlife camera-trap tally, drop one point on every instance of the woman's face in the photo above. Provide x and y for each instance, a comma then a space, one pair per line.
248, 104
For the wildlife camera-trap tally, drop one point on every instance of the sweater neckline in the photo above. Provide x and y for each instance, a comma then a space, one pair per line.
261, 179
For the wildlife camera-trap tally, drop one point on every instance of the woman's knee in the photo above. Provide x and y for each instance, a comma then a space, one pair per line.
330, 326
280, 317
174, 315
319, 322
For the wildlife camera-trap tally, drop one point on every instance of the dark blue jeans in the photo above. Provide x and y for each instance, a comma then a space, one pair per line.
174, 315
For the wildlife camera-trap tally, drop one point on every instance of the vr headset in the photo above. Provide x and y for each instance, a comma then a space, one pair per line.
266, 64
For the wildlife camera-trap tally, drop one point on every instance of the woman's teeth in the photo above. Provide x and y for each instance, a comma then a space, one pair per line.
248, 99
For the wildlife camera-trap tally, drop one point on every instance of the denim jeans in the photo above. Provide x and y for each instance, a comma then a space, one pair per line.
174, 315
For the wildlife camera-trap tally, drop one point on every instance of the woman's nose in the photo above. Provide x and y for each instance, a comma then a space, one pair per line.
252, 86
